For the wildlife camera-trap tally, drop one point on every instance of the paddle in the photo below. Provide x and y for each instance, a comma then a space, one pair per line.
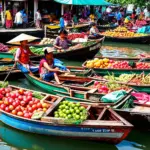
10, 72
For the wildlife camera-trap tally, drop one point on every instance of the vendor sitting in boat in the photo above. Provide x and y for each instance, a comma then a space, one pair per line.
49, 67
23, 53
62, 41
94, 32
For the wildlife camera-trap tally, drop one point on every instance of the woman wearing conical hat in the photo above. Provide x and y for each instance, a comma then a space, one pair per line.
23, 53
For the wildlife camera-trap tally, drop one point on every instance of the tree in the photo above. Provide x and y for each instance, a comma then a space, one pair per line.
125, 2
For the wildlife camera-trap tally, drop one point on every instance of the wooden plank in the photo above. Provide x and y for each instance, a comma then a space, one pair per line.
53, 106
102, 114
92, 91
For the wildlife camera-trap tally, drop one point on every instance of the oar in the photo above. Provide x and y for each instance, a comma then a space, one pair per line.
10, 72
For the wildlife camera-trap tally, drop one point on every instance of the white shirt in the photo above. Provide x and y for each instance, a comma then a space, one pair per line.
18, 18
108, 10
38, 16
92, 31
145, 10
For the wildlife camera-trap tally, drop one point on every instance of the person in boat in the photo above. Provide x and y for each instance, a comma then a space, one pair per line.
50, 67
128, 21
94, 32
62, 41
22, 55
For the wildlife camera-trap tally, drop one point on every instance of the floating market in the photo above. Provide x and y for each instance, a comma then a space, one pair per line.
74, 72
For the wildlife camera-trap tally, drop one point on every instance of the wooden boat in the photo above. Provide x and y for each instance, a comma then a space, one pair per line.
142, 39
138, 116
51, 31
106, 27
9, 34
146, 59
5, 69
76, 88
45, 141
117, 72
96, 127
75, 54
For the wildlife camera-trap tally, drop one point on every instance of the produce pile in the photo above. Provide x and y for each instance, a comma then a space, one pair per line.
141, 79
107, 87
45, 41
122, 78
83, 20
121, 29
122, 32
73, 36
21, 103
127, 34
71, 111
3, 48
112, 64
4, 68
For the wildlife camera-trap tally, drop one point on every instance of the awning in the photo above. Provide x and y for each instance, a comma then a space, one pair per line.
84, 2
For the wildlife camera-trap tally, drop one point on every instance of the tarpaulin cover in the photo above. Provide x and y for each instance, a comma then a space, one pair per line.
84, 2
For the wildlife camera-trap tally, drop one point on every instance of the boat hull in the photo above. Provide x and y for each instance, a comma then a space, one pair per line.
142, 39
100, 133
138, 119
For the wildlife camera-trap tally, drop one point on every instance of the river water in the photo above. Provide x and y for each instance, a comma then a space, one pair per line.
12, 139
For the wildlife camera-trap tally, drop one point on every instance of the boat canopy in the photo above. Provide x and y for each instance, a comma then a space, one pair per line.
84, 2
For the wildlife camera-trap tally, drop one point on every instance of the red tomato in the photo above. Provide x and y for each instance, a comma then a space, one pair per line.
34, 107
14, 104
14, 112
8, 95
18, 108
11, 107
3, 106
7, 109
20, 98
22, 103
31, 103
36, 101
27, 115
20, 113
10, 100
21, 91
30, 109
13, 95
39, 105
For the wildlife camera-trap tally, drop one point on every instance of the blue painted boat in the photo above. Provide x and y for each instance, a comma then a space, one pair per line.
102, 124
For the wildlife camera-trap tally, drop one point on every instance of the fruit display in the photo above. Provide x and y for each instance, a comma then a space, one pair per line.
71, 111
121, 29
83, 20
107, 87
99, 63
21, 103
73, 36
45, 41
122, 78
127, 34
3, 48
141, 79
112, 64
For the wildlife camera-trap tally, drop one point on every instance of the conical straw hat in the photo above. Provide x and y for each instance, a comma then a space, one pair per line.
22, 37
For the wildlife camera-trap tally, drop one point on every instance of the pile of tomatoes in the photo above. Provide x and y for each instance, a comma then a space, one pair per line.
20, 102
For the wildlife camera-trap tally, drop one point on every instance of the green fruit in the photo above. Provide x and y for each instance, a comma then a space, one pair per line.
55, 112
76, 108
56, 115
64, 110
81, 108
66, 107
82, 118
67, 111
69, 116
77, 117
70, 104
71, 110
77, 104
77, 111
63, 106
73, 105
81, 113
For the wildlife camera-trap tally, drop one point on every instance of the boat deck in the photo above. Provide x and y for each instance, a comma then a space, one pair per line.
20, 30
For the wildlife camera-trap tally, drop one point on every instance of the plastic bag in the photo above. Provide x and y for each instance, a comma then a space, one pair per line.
113, 96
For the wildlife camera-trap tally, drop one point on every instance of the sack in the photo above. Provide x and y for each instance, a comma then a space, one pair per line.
113, 96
